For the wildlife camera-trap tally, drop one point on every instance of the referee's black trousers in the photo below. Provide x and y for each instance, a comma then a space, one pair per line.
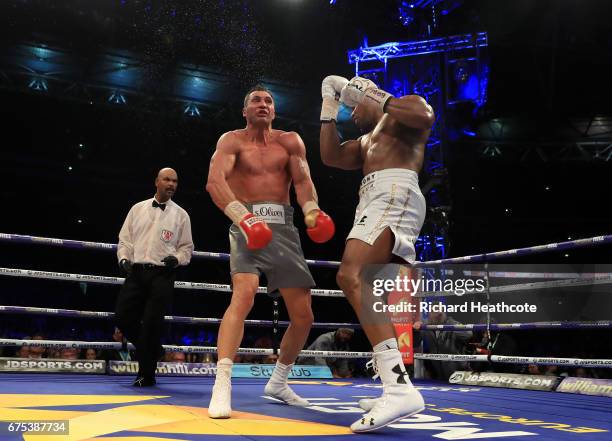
144, 299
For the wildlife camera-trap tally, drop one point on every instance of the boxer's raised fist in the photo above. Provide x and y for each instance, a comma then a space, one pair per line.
330, 92
361, 90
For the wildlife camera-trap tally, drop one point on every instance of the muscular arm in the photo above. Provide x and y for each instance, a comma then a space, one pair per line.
221, 165
411, 111
346, 156
298, 168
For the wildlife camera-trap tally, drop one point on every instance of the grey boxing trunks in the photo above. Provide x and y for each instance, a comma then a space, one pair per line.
282, 261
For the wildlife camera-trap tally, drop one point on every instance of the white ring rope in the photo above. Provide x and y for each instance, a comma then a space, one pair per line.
218, 287
518, 252
601, 363
601, 324
171, 348
567, 283
6, 309
106, 280
573, 281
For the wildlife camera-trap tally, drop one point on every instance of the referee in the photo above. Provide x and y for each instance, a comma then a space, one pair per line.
154, 240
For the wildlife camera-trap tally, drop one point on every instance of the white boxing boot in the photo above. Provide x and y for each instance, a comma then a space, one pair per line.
399, 400
368, 403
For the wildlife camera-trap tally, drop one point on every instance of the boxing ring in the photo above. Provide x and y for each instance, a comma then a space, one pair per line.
107, 407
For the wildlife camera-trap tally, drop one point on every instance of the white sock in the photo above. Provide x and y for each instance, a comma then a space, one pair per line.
221, 401
390, 343
224, 368
225, 363
277, 386
281, 373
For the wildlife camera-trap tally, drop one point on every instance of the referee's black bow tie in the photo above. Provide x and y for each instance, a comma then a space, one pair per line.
158, 205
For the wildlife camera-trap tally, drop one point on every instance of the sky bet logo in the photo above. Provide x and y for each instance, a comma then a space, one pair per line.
266, 371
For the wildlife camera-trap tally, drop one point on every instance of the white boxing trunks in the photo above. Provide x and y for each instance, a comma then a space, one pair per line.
390, 198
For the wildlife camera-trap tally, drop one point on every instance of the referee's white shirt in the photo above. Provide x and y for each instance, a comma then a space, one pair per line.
149, 234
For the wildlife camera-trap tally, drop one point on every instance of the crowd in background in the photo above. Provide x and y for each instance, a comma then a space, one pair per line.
530, 343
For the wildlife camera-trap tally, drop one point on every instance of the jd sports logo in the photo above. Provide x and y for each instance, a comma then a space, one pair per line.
456, 377
362, 220
401, 373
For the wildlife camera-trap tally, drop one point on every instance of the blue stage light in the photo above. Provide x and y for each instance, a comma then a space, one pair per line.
191, 109
38, 84
117, 97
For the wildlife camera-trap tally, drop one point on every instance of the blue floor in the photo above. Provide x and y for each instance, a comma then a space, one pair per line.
105, 407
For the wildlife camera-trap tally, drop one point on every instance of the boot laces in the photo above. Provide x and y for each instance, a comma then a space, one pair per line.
373, 364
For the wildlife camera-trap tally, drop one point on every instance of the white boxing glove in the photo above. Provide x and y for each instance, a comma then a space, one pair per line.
330, 91
361, 90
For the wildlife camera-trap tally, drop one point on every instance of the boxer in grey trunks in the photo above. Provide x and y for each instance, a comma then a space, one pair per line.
250, 165
282, 261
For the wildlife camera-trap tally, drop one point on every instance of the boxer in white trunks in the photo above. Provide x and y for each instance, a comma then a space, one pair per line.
387, 221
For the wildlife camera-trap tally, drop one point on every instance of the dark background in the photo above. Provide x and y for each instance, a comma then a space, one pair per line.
549, 61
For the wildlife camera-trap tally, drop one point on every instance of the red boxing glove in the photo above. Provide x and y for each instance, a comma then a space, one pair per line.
257, 233
324, 228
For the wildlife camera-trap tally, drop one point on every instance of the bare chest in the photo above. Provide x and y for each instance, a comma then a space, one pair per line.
258, 159
374, 142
